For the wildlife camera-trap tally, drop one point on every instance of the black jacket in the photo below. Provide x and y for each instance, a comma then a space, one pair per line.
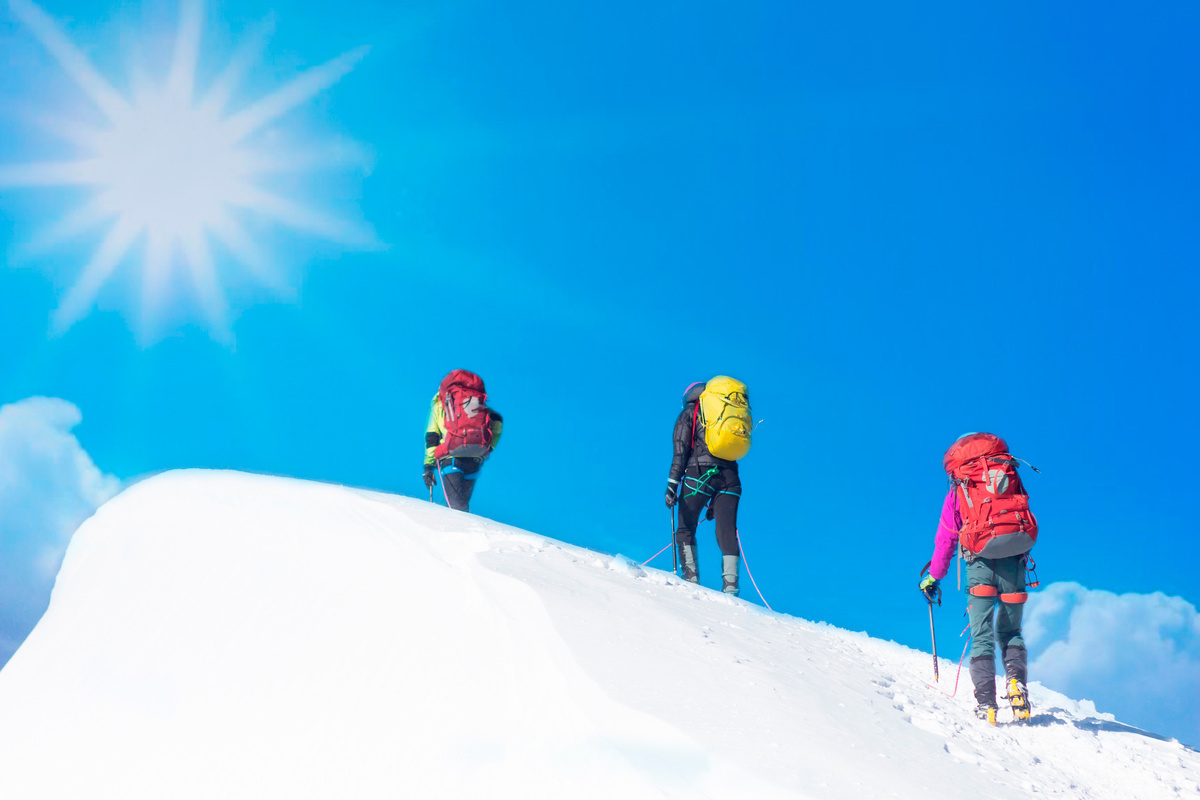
689, 439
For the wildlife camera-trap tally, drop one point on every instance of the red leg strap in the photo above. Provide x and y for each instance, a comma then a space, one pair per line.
1014, 597
982, 590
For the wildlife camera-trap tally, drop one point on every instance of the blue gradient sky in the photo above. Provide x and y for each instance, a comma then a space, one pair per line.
895, 225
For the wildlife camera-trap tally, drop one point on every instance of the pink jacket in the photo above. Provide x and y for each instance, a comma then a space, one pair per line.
946, 539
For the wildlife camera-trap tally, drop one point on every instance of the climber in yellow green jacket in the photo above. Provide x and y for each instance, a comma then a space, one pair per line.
461, 433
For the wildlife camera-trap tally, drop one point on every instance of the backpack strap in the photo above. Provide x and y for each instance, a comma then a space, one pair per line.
962, 485
959, 561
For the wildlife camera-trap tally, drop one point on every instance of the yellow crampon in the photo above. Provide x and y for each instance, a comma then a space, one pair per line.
1018, 699
987, 713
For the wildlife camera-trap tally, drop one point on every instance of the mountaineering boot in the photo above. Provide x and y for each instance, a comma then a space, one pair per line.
1018, 698
983, 675
1016, 670
1015, 663
687, 563
729, 571
986, 712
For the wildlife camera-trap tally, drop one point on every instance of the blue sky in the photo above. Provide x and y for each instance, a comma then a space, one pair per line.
895, 225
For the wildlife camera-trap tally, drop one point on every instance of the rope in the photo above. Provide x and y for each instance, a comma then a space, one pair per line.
656, 555
750, 575
960, 663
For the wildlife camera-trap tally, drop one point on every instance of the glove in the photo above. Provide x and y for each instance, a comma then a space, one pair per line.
672, 491
430, 481
929, 587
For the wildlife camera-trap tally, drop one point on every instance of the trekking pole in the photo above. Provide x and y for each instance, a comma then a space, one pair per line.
445, 491
670, 544
933, 636
674, 549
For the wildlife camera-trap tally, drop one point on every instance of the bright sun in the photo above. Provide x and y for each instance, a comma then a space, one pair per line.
170, 169
163, 143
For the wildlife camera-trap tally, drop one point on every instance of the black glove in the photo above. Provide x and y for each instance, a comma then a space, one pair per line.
672, 490
430, 481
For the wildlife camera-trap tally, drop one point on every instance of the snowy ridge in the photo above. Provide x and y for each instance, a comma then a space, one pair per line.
213, 634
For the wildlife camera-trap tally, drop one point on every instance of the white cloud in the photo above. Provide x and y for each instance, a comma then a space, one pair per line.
48, 486
1135, 655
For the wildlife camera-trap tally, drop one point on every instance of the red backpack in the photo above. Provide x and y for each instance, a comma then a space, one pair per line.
993, 504
465, 416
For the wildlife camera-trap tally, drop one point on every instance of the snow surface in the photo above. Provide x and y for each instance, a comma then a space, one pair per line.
220, 635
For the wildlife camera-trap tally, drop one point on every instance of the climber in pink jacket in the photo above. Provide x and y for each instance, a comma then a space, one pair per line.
986, 518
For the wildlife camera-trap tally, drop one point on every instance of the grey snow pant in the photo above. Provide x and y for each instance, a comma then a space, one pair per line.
995, 622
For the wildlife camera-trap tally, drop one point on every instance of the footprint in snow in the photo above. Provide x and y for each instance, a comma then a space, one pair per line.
963, 754
930, 724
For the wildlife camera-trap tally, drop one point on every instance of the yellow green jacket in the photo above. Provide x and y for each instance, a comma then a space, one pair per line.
435, 429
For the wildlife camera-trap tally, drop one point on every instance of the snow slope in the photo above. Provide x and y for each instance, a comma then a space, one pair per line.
219, 635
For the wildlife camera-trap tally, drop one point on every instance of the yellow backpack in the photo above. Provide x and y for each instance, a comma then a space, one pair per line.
725, 416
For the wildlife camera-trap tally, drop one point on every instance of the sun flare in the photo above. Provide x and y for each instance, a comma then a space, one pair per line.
163, 144
170, 169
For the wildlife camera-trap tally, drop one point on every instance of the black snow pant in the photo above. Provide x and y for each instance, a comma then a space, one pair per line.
458, 481
720, 489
